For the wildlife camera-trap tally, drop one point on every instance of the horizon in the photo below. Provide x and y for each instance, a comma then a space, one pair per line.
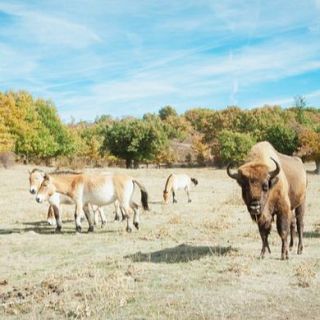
121, 58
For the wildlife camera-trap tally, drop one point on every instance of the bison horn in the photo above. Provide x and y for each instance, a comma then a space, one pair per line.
230, 174
276, 171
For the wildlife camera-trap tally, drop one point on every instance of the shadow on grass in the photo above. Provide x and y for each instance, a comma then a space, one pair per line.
311, 234
313, 172
181, 253
156, 202
40, 227
43, 223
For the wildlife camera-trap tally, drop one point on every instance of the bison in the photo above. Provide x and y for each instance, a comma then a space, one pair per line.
273, 184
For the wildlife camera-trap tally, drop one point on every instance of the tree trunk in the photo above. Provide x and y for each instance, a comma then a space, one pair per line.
136, 164
128, 163
317, 171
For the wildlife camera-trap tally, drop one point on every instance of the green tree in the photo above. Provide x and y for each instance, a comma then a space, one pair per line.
199, 118
58, 139
135, 140
34, 126
234, 146
283, 138
309, 141
166, 112
300, 104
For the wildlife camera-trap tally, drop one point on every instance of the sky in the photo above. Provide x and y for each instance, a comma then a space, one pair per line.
130, 57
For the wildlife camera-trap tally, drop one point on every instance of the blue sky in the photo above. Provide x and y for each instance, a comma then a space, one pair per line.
123, 57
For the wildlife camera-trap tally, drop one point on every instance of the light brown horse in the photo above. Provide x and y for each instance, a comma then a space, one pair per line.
97, 189
36, 177
175, 182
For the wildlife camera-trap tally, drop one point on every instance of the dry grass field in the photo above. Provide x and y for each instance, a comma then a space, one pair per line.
187, 261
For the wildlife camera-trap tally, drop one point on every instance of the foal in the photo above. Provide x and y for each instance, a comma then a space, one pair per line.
176, 182
98, 189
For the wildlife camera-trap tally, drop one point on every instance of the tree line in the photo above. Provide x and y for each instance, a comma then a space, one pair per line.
31, 127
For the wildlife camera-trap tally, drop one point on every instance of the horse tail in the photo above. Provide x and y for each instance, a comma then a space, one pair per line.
144, 195
195, 181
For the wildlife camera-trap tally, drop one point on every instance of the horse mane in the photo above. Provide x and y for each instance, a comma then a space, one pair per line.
36, 170
167, 182
61, 172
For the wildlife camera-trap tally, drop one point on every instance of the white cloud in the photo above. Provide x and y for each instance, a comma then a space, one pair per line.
201, 79
13, 65
49, 29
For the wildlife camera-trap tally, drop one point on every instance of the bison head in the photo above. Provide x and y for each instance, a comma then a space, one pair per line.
256, 181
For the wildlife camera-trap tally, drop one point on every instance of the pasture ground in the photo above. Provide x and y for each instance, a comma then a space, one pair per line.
188, 261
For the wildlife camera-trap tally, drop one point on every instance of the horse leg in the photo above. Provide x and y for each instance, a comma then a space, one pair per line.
117, 211
299, 216
50, 216
187, 191
136, 217
102, 217
95, 213
127, 213
89, 217
57, 215
78, 215
174, 197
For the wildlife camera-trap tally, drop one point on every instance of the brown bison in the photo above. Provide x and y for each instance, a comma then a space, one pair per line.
273, 184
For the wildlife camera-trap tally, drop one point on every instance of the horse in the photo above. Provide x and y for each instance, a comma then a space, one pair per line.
36, 177
97, 189
175, 182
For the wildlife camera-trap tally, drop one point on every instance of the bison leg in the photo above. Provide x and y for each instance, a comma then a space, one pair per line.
292, 232
283, 230
264, 230
299, 216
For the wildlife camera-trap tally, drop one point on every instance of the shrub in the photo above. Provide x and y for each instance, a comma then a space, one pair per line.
234, 145
283, 138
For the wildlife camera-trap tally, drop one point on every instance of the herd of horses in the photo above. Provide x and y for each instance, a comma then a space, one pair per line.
273, 186
94, 191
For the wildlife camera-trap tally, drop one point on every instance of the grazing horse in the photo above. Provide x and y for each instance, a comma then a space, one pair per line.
36, 177
98, 189
176, 182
